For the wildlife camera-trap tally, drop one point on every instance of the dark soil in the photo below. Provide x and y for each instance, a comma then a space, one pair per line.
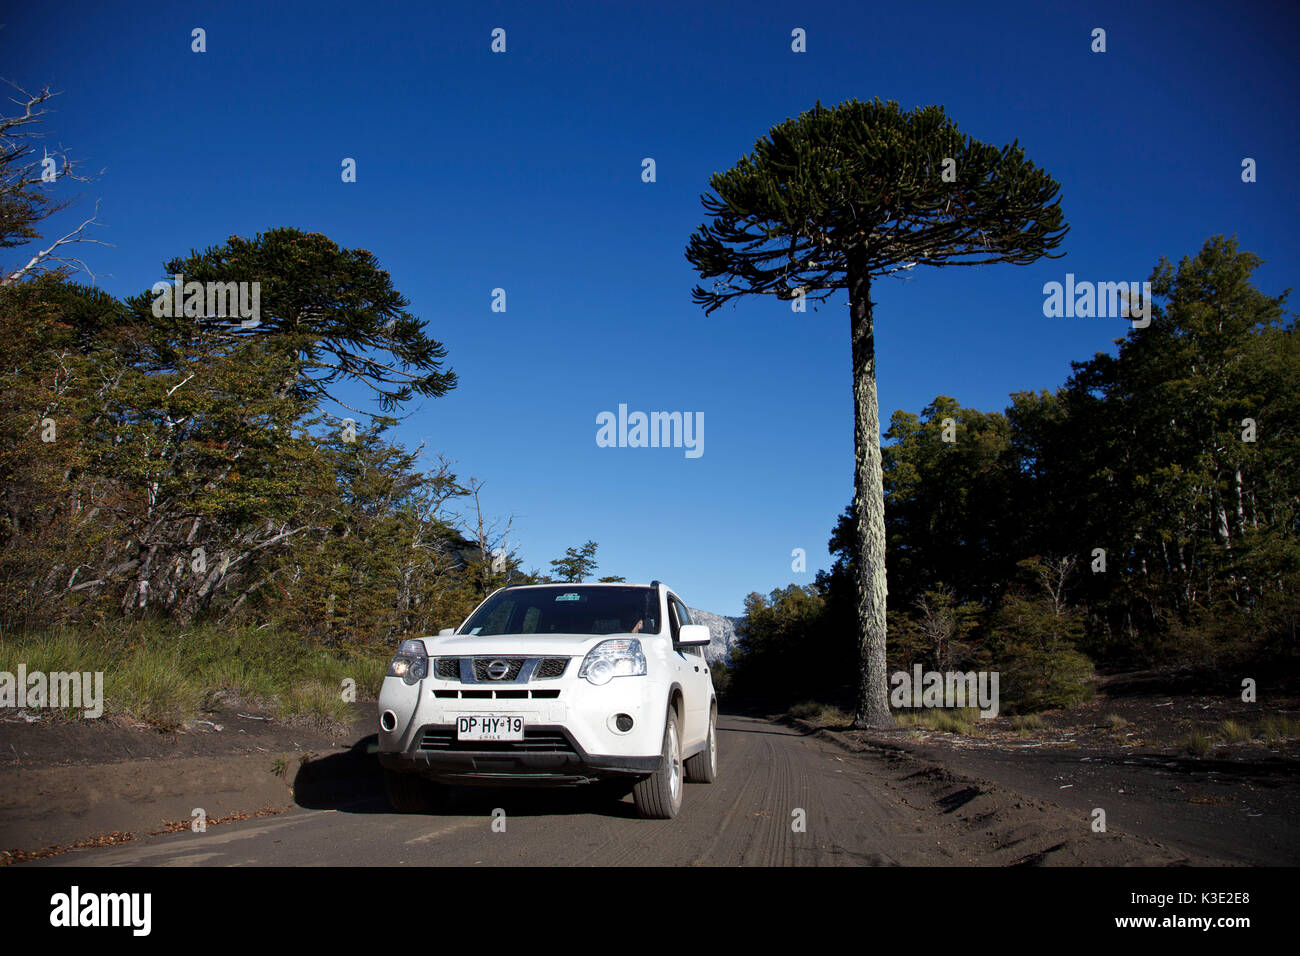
103, 782
1126, 752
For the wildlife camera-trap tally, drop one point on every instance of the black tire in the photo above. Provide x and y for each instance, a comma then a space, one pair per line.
659, 796
703, 767
411, 793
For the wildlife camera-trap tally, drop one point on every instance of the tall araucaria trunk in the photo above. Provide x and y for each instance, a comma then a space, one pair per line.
868, 502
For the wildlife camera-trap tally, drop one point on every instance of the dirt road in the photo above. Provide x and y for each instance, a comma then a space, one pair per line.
784, 797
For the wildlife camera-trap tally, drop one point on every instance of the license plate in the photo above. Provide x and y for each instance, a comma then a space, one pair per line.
489, 727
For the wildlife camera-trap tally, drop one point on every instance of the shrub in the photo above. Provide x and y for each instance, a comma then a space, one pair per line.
1035, 649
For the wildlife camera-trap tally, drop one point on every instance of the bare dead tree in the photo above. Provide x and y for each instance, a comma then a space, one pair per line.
488, 534
1052, 575
27, 169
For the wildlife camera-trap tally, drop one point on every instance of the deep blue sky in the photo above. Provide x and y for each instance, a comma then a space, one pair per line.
522, 171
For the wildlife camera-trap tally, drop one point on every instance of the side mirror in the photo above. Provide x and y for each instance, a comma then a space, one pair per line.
693, 635
446, 630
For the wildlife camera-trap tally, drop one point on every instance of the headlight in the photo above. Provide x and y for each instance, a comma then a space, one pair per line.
410, 663
616, 658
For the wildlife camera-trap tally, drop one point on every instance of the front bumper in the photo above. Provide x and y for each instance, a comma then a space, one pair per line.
549, 755
574, 724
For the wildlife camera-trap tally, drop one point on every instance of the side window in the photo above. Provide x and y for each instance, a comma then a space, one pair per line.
682, 612
678, 614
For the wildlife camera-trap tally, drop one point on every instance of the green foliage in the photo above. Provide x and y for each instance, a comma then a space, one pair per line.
164, 676
785, 653
1183, 533
315, 703
577, 565
1146, 458
1033, 640
948, 502
721, 675
939, 634
180, 469
867, 177
328, 315
1225, 634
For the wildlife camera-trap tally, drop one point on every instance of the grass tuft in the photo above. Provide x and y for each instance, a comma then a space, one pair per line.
822, 715
1231, 732
165, 677
1278, 729
956, 720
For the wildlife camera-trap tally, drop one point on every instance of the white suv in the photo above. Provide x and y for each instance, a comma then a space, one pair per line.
603, 684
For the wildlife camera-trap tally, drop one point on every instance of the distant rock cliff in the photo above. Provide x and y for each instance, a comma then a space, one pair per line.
723, 632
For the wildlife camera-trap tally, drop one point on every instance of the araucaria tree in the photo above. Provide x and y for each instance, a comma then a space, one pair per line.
329, 315
832, 200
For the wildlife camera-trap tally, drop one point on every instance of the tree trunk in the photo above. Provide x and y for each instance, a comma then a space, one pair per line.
868, 503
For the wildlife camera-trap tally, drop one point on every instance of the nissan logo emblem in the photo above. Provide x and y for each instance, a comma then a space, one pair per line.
498, 670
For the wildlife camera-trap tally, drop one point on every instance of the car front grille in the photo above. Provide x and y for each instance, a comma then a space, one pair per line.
550, 668
482, 664
442, 739
540, 668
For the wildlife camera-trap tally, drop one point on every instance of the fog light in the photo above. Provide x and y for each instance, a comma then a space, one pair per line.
388, 720
623, 722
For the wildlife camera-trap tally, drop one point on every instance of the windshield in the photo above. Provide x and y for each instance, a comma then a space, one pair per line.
575, 609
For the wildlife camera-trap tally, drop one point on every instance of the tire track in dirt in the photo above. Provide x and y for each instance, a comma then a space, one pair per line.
862, 806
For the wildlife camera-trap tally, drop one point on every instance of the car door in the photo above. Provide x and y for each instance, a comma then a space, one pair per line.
694, 678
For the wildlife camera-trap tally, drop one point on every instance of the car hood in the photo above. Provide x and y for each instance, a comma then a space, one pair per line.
518, 645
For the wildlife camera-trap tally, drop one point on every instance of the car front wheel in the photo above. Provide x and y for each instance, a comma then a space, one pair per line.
659, 796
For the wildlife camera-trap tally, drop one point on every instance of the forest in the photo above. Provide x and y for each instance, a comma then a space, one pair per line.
1143, 514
